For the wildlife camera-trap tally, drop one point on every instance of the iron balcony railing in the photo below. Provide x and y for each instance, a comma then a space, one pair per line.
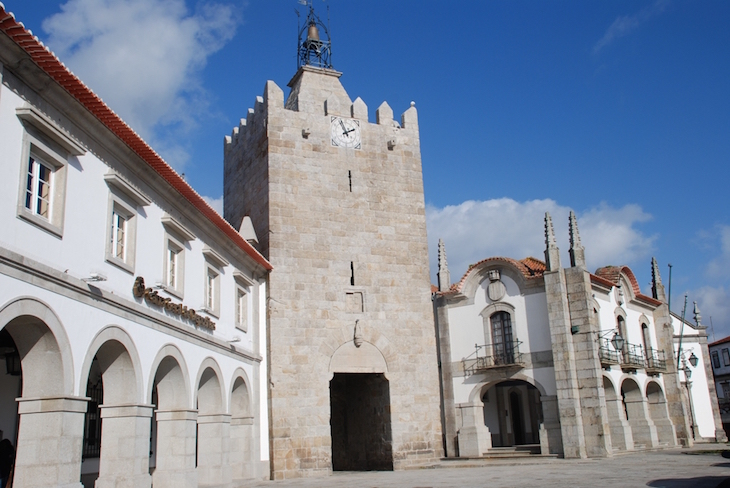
608, 353
491, 357
632, 357
656, 361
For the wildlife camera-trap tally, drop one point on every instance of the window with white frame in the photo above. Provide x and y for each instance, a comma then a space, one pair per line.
212, 291
726, 357
715, 360
38, 189
46, 149
241, 308
174, 268
121, 236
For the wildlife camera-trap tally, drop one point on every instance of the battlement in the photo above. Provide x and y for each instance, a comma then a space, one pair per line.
319, 101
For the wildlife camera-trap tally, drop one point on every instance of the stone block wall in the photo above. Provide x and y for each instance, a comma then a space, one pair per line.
337, 222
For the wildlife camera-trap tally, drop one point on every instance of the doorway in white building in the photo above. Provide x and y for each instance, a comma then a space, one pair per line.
513, 413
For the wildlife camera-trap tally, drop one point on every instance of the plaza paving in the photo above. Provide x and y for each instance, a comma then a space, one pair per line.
675, 468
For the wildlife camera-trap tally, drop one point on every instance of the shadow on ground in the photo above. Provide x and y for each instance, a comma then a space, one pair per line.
701, 482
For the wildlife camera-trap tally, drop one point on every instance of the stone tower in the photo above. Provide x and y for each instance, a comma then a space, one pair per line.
337, 204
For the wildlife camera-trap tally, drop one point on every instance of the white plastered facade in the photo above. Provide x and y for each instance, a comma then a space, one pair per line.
67, 302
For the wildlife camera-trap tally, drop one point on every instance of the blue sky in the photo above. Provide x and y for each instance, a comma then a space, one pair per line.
618, 110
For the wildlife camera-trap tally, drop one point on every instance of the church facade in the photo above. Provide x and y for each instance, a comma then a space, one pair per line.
552, 360
132, 316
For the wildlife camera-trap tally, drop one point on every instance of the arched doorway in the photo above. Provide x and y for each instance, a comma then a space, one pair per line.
175, 425
47, 413
621, 437
513, 413
643, 430
242, 430
360, 422
213, 430
665, 430
117, 425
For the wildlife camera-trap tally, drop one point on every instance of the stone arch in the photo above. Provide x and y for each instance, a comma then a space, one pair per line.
174, 425
339, 337
659, 413
209, 394
213, 429
170, 376
47, 405
120, 364
476, 394
240, 395
124, 421
43, 345
643, 429
495, 307
348, 358
243, 441
621, 437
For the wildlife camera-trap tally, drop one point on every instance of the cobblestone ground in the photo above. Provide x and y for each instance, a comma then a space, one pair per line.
677, 468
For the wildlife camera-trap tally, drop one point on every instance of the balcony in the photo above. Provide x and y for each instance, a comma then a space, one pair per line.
609, 356
502, 356
656, 362
632, 357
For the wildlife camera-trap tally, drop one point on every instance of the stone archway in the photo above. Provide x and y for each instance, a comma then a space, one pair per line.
621, 437
666, 432
174, 428
125, 421
242, 429
643, 429
49, 414
213, 429
513, 413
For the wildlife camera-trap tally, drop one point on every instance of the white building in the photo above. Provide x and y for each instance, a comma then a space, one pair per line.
132, 316
563, 361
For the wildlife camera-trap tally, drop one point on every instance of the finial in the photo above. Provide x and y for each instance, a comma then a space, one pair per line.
577, 251
444, 278
698, 317
413, 104
657, 288
552, 253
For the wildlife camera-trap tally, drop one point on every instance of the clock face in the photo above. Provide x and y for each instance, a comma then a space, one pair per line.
345, 132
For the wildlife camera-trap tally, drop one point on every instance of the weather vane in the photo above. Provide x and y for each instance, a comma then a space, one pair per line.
312, 50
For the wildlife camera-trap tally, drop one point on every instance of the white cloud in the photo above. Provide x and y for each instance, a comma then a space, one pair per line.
626, 24
144, 58
475, 230
714, 304
216, 203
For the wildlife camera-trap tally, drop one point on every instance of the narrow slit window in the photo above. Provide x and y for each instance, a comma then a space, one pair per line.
352, 273
349, 177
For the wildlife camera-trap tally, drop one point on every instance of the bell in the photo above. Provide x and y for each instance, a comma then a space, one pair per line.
312, 33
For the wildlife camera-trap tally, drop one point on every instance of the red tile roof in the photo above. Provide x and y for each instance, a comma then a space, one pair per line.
721, 341
49, 63
529, 268
610, 275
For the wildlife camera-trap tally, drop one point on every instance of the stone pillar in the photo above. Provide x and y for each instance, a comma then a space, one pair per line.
125, 447
214, 468
566, 380
551, 424
643, 430
720, 435
175, 449
241, 454
474, 437
621, 437
50, 439
446, 378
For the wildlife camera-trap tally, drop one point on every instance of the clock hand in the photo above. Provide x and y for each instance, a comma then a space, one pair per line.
342, 124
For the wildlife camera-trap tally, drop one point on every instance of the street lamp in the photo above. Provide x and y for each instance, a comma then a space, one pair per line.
693, 360
617, 341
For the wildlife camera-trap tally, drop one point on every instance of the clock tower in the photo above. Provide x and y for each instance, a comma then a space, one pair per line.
336, 202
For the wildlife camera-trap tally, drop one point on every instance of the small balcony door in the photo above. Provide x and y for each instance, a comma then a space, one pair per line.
502, 341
